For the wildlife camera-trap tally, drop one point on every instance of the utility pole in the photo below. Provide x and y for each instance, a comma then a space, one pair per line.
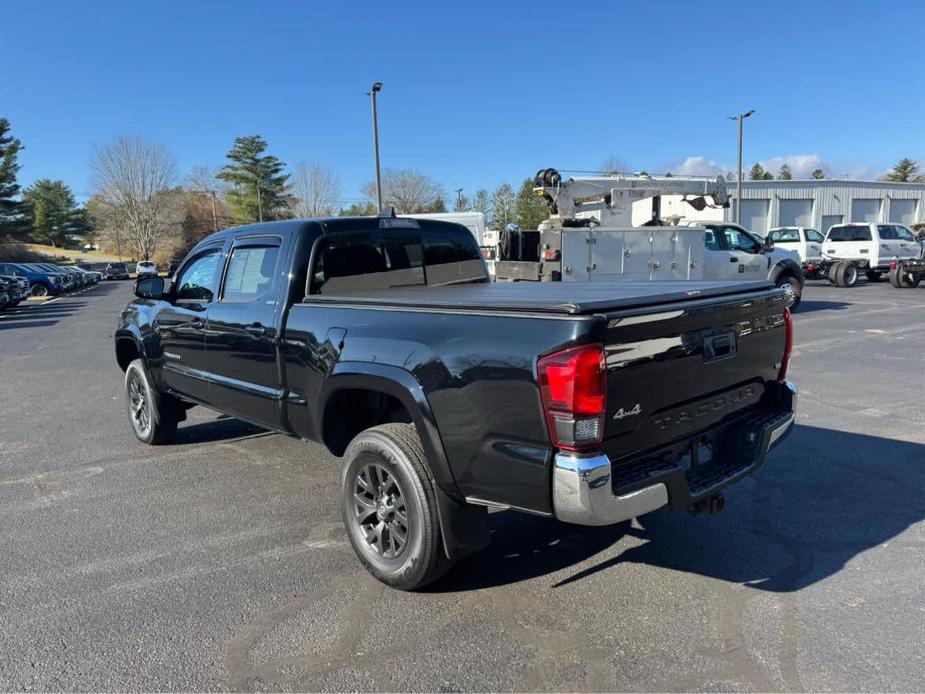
459, 199
741, 117
259, 207
376, 88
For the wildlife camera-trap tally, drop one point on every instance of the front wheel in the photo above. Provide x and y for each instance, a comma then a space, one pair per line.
792, 285
154, 419
390, 509
39, 289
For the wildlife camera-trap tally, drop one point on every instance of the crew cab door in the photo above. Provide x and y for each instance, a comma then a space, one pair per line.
181, 323
813, 245
734, 255
243, 331
908, 246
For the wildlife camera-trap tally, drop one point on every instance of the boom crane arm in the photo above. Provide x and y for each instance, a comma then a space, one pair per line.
614, 196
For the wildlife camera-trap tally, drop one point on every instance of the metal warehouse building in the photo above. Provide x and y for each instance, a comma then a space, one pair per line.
817, 204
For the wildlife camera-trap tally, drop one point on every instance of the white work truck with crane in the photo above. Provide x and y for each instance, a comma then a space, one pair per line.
589, 236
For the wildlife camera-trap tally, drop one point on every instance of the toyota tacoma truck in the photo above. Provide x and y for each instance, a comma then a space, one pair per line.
446, 394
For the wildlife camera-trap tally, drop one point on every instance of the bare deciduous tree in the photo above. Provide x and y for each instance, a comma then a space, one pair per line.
315, 190
408, 191
134, 178
614, 165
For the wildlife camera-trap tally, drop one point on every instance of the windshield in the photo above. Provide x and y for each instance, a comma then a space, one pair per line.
116, 266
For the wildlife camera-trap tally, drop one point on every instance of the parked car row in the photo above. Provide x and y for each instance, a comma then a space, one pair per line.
847, 250
45, 279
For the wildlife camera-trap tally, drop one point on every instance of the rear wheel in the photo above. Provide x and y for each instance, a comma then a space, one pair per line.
846, 275
873, 275
390, 509
901, 279
153, 417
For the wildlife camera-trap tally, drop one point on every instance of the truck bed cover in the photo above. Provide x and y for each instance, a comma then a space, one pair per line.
569, 298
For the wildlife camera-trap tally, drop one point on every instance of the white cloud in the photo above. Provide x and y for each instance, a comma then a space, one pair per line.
700, 166
801, 165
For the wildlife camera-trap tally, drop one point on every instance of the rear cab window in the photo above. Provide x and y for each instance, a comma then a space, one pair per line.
346, 262
850, 232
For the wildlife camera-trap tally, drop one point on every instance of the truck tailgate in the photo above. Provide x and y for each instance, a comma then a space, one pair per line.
674, 373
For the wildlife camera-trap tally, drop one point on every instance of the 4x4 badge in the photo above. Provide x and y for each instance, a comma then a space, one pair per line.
621, 413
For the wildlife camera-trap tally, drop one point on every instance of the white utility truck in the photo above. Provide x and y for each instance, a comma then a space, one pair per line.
589, 236
805, 242
866, 247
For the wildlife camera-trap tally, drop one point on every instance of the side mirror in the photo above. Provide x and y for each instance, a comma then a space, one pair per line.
149, 288
768, 243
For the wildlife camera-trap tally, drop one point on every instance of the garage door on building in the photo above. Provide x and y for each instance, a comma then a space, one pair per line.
902, 211
865, 210
795, 213
755, 215
828, 220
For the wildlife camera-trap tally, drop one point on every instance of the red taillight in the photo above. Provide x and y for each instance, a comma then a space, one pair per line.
573, 386
893, 265
788, 345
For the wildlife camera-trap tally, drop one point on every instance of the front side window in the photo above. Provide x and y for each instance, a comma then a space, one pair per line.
196, 282
738, 240
250, 272
813, 236
903, 234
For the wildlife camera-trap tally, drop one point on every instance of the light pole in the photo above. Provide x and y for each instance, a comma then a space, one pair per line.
376, 88
459, 199
741, 117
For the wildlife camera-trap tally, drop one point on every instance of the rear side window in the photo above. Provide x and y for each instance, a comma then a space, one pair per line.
887, 232
785, 236
250, 272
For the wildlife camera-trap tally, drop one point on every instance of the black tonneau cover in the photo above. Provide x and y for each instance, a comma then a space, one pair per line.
571, 298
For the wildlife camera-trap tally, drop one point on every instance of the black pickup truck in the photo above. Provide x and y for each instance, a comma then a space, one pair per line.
447, 394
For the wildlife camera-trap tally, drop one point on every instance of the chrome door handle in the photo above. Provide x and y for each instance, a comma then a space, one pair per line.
256, 329
196, 324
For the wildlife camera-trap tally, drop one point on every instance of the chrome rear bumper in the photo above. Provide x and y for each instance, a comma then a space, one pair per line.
582, 488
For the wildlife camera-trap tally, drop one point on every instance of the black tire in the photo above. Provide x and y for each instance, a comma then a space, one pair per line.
40, 289
846, 275
901, 279
795, 287
390, 509
153, 417
873, 275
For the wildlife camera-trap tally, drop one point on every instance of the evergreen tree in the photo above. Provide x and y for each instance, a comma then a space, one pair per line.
50, 211
757, 173
530, 208
818, 174
258, 183
503, 207
904, 171
11, 222
784, 173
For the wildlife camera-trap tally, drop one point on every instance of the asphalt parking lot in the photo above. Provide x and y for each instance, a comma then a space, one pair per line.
220, 562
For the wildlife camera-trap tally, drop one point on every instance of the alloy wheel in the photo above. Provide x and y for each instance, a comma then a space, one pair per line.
138, 403
379, 507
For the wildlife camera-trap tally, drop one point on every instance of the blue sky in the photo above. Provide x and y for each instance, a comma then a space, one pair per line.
474, 93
